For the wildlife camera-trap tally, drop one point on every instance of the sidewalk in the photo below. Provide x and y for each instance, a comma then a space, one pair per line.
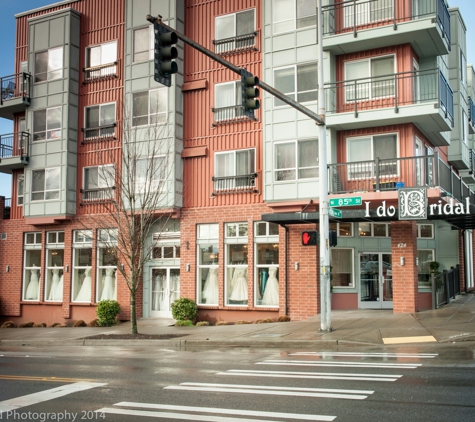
452, 323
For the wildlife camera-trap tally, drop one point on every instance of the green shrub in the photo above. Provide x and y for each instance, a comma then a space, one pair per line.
107, 311
184, 323
184, 309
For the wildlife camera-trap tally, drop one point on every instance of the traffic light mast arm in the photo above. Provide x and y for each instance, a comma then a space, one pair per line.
309, 113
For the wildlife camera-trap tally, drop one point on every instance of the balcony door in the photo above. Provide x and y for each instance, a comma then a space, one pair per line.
376, 282
165, 289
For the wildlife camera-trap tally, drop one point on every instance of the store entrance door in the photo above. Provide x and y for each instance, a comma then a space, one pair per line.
165, 288
376, 281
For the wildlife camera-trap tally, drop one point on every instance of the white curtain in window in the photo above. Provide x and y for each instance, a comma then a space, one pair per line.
225, 27
225, 165
225, 95
359, 149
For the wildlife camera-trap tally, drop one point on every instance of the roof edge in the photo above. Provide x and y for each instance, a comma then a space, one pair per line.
49, 6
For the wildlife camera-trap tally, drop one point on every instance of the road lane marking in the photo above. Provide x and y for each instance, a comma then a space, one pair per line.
312, 375
222, 411
279, 391
341, 364
54, 379
41, 396
376, 355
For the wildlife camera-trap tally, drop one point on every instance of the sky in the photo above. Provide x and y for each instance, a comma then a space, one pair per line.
8, 8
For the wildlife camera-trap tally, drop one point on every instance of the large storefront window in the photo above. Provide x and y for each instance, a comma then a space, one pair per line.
425, 257
266, 274
236, 264
82, 266
341, 267
32, 266
54, 266
207, 251
107, 265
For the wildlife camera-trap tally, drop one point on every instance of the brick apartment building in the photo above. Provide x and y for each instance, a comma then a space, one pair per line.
399, 143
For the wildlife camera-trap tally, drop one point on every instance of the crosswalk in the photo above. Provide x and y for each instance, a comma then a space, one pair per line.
367, 371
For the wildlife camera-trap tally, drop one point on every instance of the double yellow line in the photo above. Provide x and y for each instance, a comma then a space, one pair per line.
51, 379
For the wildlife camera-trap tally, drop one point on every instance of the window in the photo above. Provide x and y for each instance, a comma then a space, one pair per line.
49, 65
295, 160
369, 79
236, 264
149, 107
234, 31
425, 231
32, 266
144, 44
362, 150
266, 257
107, 264
100, 55
82, 266
424, 257
342, 229
234, 168
54, 266
207, 259
374, 229
298, 82
20, 189
99, 182
464, 128
463, 68
45, 184
288, 15
47, 124
166, 252
99, 121
341, 262
227, 101
150, 174
365, 11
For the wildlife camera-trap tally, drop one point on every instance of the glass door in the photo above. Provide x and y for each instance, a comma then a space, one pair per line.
165, 288
376, 287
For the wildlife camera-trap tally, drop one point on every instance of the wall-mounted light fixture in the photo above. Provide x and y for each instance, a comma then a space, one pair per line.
401, 260
187, 267
67, 268
417, 261
122, 267
8, 268
297, 265
187, 245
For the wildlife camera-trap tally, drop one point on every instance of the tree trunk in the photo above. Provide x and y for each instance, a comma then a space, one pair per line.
133, 316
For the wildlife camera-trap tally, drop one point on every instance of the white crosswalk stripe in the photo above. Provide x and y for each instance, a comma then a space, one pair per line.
337, 364
376, 355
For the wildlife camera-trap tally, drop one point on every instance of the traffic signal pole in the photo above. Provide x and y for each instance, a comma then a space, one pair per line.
319, 119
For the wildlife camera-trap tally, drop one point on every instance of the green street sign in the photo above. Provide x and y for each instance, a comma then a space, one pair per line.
346, 202
333, 212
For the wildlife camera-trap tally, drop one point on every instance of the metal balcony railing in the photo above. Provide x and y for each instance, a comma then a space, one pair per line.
391, 174
354, 15
97, 195
234, 184
14, 145
388, 91
231, 114
7, 208
235, 44
15, 86
472, 162
99, 133
103, 71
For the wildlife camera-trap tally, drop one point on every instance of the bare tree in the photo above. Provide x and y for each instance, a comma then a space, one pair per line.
139, 195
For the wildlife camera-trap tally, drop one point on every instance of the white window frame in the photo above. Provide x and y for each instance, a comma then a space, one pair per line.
102, 60
232, 43
20, 189
352, 267
54, 247
230, 269
82, 239
101, 124
104, 174
296, 168
106, 240
295, 93
31, 245
371, 225
226, 111
364, 12
425, 263
162, 115
49, 133
53, 70
208, 235
290, 21
151, 47
463, 68
46, 192
148, 182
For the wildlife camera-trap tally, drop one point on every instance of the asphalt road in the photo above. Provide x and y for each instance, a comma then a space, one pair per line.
429, 383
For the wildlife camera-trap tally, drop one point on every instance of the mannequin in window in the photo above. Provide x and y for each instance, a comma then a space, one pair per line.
271, 293
210, 290
108, 282
239, 286
84, 294
33, 289
56, 291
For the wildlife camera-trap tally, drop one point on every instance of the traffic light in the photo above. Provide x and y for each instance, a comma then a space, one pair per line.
249, 93
309, 238
164, 54
332, 238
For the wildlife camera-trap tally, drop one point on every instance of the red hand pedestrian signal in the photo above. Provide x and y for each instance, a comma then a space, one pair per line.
309, 238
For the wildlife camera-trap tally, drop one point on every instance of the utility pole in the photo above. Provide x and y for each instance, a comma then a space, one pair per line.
249, 105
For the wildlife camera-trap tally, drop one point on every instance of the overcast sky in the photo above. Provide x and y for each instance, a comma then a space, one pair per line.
8, 8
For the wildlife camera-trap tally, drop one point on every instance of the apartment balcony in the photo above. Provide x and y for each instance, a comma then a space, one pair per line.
227, 115
421, 97
459, 154
236, 45
471, 116
101, 72
351, 26
14, 151
391, 174
97, 195
468, 175
100, 133
234, 184
15, 94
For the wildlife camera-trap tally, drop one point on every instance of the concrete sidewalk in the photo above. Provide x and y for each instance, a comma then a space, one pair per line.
451, 323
